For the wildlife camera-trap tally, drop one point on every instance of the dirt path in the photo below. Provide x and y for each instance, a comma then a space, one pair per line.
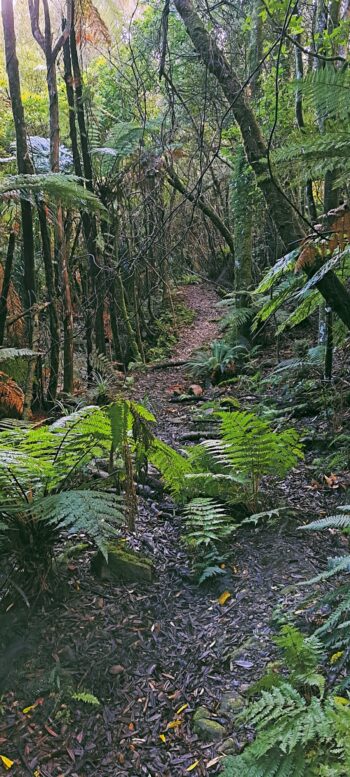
155, 387
150, 654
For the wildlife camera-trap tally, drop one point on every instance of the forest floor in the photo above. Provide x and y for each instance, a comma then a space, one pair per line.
153, 653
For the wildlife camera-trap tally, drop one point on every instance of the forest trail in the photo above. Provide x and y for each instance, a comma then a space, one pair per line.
152, 654
155, 386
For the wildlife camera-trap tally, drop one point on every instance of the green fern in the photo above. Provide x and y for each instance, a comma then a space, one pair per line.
86, 697
335, 632
214, 363
207, 524
41, 475
253, 449
172, 466
64, 189
298, 730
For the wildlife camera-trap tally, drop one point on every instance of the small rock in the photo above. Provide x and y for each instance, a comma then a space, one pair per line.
231, 704
201, 713
122, 565
116, 669
209, 730
227, 746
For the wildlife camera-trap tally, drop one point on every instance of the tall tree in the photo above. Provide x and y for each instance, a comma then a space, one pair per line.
51, 51
23, 159
282, 211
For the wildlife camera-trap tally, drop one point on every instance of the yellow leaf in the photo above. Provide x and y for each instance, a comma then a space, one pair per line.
29, 709
6, 761
162, 737
224, 597
174, 723
193, 766
341, 700
335, 656
181, 709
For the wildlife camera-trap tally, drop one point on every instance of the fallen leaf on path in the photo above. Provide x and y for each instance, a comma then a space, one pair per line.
32, 706
224, 597
174, 723
196, 390
213, 762
181, 709
193, 766
116, 669
244, 664
6, 761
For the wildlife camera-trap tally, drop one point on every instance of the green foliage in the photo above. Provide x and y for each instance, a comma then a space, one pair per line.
251, 448
41, 475
335, 629
299, 731
310, 364
217, 363
86, 698
207, 524
64, 189
230, 467
171, 465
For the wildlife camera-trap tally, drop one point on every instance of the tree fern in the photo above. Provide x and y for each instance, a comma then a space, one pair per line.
281, 267
284, 291
65, 189
172, 466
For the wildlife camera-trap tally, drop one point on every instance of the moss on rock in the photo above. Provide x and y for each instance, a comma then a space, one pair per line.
122, 566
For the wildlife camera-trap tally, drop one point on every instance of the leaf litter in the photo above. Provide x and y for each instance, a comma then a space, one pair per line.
152, 654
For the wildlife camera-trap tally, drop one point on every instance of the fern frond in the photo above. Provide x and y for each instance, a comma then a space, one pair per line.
340, 520
206, 523
97, 514
64, 189
172, 466
283, 265
254, 447
86, 698
284, 291
303, 311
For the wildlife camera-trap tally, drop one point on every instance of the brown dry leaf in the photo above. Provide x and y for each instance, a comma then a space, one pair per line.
306, 257
332, 480
196, 390
213, 762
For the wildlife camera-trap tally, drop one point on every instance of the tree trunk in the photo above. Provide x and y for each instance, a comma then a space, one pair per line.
282, 211
51, 51
256, 46
299, 115
6, 284
53, 308
23, 160
89, 222
208, 211
242, 191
